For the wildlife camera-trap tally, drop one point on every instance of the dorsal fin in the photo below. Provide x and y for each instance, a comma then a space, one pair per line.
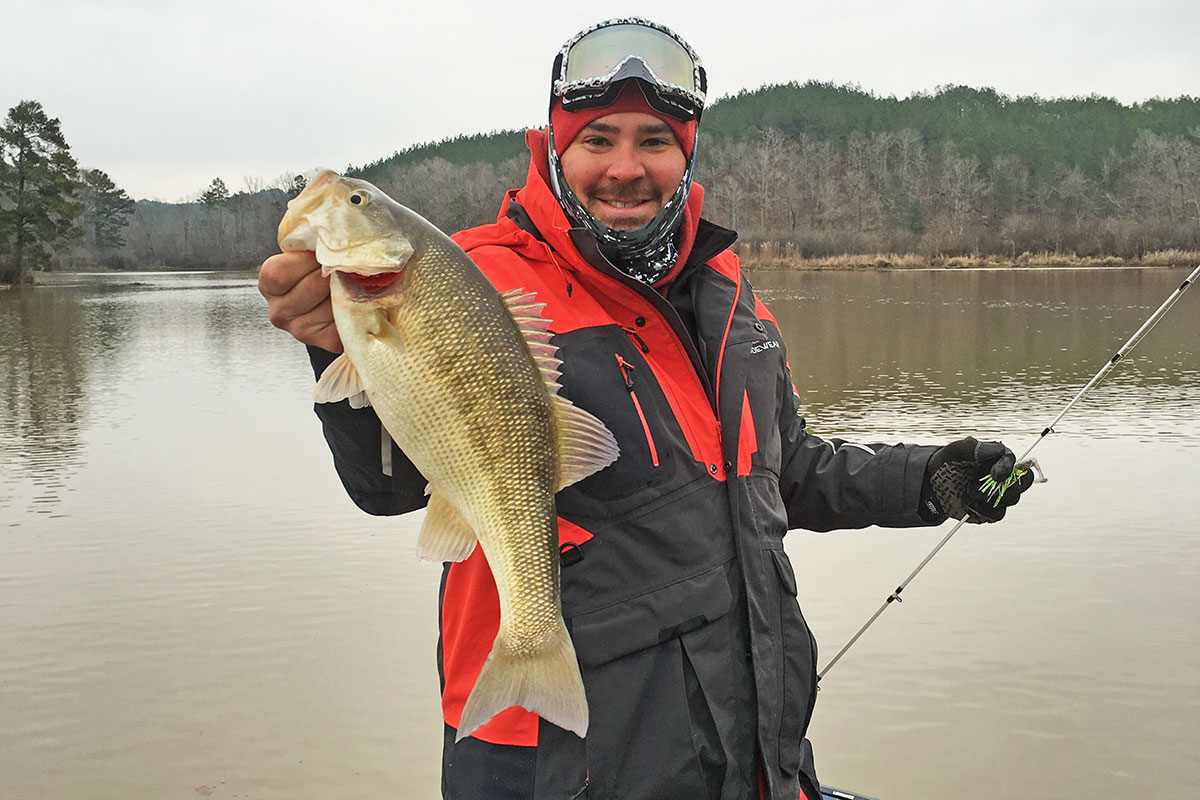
585, 445
527, 313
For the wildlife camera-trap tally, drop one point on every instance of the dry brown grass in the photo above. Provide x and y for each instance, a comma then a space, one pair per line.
1171, 258
787, 255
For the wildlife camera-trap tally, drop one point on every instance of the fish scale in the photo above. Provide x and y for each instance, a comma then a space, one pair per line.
465, 381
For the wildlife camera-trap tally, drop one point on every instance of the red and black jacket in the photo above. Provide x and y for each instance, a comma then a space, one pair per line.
699, 667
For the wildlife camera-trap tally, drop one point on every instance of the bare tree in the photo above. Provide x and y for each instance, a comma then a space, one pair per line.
725, 182
766, 166
962, 190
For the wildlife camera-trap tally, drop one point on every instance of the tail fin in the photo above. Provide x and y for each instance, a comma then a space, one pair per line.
546, 682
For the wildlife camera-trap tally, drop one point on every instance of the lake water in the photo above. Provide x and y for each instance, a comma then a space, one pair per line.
190, 606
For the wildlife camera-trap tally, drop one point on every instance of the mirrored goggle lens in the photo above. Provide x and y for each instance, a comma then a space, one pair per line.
599, 55
673, 102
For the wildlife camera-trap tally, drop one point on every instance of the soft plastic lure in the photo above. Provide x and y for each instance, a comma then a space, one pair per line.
994, 491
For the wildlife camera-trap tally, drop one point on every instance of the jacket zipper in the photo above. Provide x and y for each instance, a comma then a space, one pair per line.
627, 374
587, 247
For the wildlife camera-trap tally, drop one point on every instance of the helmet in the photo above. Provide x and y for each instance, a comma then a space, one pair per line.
590, 71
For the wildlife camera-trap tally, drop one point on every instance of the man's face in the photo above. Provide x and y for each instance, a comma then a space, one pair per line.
624, 168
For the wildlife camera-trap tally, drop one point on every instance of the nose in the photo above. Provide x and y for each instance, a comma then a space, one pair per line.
626, 164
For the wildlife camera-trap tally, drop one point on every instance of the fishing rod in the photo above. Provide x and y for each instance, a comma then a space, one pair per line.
1024, 463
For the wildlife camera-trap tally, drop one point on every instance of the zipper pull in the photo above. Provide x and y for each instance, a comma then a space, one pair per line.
641, 343
626, 371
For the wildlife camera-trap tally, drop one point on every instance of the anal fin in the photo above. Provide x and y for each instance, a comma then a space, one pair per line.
445, 535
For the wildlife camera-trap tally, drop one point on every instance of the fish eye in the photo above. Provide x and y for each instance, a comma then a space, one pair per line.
358, 198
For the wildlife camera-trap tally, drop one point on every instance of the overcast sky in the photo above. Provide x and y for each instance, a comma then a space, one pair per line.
165, 95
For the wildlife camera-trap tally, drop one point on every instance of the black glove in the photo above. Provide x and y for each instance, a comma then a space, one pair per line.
952, 482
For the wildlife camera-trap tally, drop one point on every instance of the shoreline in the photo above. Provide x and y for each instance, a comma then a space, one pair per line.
754, 258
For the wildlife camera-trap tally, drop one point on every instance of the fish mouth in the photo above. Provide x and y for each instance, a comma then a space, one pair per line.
374, 283
361, 270
363, 285
339, 247
293, 229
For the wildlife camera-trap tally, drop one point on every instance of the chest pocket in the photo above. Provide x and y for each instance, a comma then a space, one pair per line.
604, 373
764, 386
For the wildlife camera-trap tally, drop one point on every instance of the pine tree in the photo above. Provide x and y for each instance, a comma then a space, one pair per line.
39, 188
108, 209
216, 194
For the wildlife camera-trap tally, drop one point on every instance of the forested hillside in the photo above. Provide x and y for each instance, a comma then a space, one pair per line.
836, 170
818, 170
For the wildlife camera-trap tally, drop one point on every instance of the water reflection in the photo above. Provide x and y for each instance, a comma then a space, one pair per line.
81, 347
1059, 640
42, 374
188, 599
1008, 348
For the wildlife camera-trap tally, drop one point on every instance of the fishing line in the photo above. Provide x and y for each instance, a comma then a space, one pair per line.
1025, 462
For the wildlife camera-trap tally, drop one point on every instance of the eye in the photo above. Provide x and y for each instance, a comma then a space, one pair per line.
665, 140
359, 198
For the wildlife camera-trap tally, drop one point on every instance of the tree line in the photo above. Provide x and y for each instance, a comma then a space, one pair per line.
46, 200
891, 192
813, 169
833, 170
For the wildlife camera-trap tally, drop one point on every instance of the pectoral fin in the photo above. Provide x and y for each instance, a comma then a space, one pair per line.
385, 331
340, 381
445, 535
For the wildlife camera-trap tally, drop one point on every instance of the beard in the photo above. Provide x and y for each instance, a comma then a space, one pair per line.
641, 204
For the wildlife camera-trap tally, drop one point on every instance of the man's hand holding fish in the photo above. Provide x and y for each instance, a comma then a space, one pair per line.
298, 298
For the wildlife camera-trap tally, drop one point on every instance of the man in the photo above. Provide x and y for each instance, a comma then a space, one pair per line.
698, 665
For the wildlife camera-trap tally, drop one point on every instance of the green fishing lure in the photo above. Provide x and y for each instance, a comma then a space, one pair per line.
994, 490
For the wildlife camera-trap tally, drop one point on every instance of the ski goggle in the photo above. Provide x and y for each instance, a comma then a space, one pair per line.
589, 69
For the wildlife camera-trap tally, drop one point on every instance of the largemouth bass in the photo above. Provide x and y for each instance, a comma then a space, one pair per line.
465, 381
